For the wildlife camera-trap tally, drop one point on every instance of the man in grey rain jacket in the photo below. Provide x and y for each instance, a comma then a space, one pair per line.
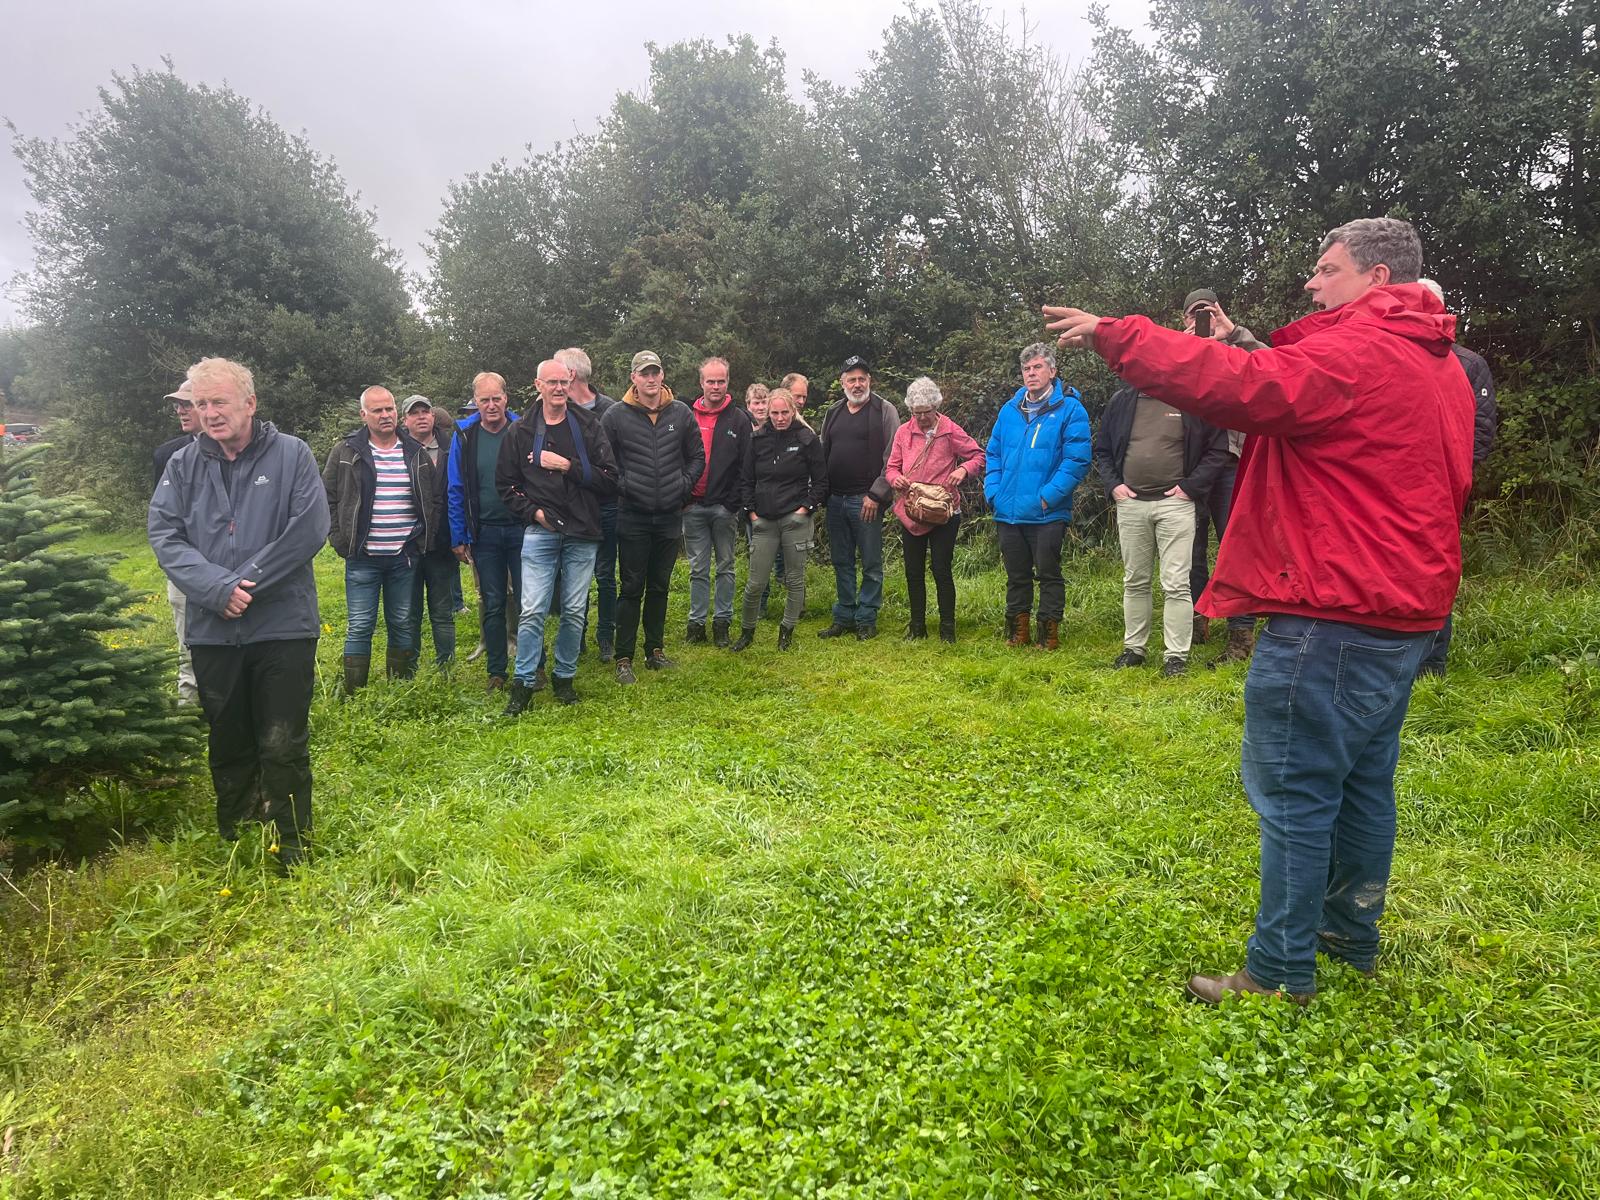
235, 522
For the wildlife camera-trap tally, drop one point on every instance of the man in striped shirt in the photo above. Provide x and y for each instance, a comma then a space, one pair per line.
385, 509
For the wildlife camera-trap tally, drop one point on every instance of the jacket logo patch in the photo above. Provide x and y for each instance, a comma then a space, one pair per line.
259, 480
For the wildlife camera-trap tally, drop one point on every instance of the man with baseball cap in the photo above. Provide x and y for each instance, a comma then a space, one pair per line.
660, 456
438, 576
182, 401
856, 439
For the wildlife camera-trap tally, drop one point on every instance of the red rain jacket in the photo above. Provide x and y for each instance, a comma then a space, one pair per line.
1350, 489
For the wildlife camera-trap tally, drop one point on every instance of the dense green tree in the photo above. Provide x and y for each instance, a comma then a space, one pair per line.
179, 221
1253, 126
74, 706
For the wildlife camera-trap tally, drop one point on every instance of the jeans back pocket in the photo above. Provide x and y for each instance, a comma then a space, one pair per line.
1370, 677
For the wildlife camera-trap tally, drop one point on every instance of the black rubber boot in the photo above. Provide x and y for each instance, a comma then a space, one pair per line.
719, 634
400, 664
521, 696
746, 639
947, 631
563, 689
785, 637
356, 669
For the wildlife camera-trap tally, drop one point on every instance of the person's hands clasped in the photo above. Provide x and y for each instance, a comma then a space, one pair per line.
240, 600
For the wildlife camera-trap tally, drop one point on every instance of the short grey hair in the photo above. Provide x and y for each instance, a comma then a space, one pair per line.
923, 393
225, 370
372, 391
1042, 350
1386, 240
575, 360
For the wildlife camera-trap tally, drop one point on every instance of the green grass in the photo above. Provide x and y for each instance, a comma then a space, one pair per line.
861, 920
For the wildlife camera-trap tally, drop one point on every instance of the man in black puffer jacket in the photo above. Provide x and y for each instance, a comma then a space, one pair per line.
659, 456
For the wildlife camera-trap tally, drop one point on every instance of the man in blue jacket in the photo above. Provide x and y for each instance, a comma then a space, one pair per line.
235, 522
482, 529
1037, 455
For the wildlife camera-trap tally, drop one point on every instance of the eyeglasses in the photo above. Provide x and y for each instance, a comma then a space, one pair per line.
183, 406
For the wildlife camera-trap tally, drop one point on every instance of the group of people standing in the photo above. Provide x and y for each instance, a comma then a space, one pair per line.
1360, 437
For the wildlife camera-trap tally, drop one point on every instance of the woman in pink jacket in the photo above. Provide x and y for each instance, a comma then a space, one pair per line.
930, 448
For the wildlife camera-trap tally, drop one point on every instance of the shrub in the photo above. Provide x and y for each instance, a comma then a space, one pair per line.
75, 707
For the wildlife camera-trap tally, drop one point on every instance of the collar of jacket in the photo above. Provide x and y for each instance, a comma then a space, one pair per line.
261, 432
1406, 310
1057, 397
631, 400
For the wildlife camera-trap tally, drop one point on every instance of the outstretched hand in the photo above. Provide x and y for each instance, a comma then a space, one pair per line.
1074, 327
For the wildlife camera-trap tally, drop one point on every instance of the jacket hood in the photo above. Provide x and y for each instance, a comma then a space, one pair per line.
1406, 310
701, 406
666, 393
261, 434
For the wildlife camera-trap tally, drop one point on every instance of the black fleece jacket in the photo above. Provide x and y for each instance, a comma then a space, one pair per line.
784, 471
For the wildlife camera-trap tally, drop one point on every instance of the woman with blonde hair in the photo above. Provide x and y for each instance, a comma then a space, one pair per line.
785, 480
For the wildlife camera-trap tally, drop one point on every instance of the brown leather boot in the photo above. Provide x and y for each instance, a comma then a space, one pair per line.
1202, 630
1020, 634
1048, 634
1240, 644
1210, 989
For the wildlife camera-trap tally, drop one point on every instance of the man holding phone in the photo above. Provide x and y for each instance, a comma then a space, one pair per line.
1203, 317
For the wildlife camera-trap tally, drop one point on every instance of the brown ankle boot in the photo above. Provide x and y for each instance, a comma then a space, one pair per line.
1240, 643
1049, 634
1202, 630
1020, 635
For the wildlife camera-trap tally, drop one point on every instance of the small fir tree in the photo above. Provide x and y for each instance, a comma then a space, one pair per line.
75, 706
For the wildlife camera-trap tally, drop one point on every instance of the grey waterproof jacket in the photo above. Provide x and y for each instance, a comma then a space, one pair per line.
266, 524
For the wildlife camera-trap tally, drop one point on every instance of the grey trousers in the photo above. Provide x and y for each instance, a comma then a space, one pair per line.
708, 536
794, 533
188, 691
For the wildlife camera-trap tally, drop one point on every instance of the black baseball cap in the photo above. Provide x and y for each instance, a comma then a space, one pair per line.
856, 363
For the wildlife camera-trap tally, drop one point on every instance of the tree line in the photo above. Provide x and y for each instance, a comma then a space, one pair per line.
920, 216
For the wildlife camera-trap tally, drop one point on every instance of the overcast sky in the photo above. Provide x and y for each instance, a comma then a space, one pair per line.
406, 96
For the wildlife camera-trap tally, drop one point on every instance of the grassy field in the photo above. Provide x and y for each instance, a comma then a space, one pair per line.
861, 920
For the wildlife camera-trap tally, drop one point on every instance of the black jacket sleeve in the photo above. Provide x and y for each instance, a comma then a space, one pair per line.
747, 475
1213, 457
1107, 461
1485, 416
819, 474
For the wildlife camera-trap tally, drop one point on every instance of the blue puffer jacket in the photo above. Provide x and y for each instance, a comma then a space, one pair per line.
1039, 460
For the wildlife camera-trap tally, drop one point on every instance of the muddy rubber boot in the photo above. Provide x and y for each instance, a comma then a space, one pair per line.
400, 664
356, 669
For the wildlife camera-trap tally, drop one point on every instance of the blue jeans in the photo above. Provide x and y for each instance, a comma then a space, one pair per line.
548, 559
848, 535
498, 554
708, 536
439, 576
366, 579
1323, 706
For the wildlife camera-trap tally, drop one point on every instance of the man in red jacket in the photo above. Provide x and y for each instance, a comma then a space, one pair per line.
1345, 536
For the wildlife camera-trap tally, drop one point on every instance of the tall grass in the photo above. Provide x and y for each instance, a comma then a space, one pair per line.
863, 919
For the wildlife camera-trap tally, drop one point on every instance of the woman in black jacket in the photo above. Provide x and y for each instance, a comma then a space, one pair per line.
785, 480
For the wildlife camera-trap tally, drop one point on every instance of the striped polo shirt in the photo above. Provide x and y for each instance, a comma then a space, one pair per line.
394, 514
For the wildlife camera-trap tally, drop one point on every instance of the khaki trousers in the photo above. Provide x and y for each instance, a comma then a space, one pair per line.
1152, 530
